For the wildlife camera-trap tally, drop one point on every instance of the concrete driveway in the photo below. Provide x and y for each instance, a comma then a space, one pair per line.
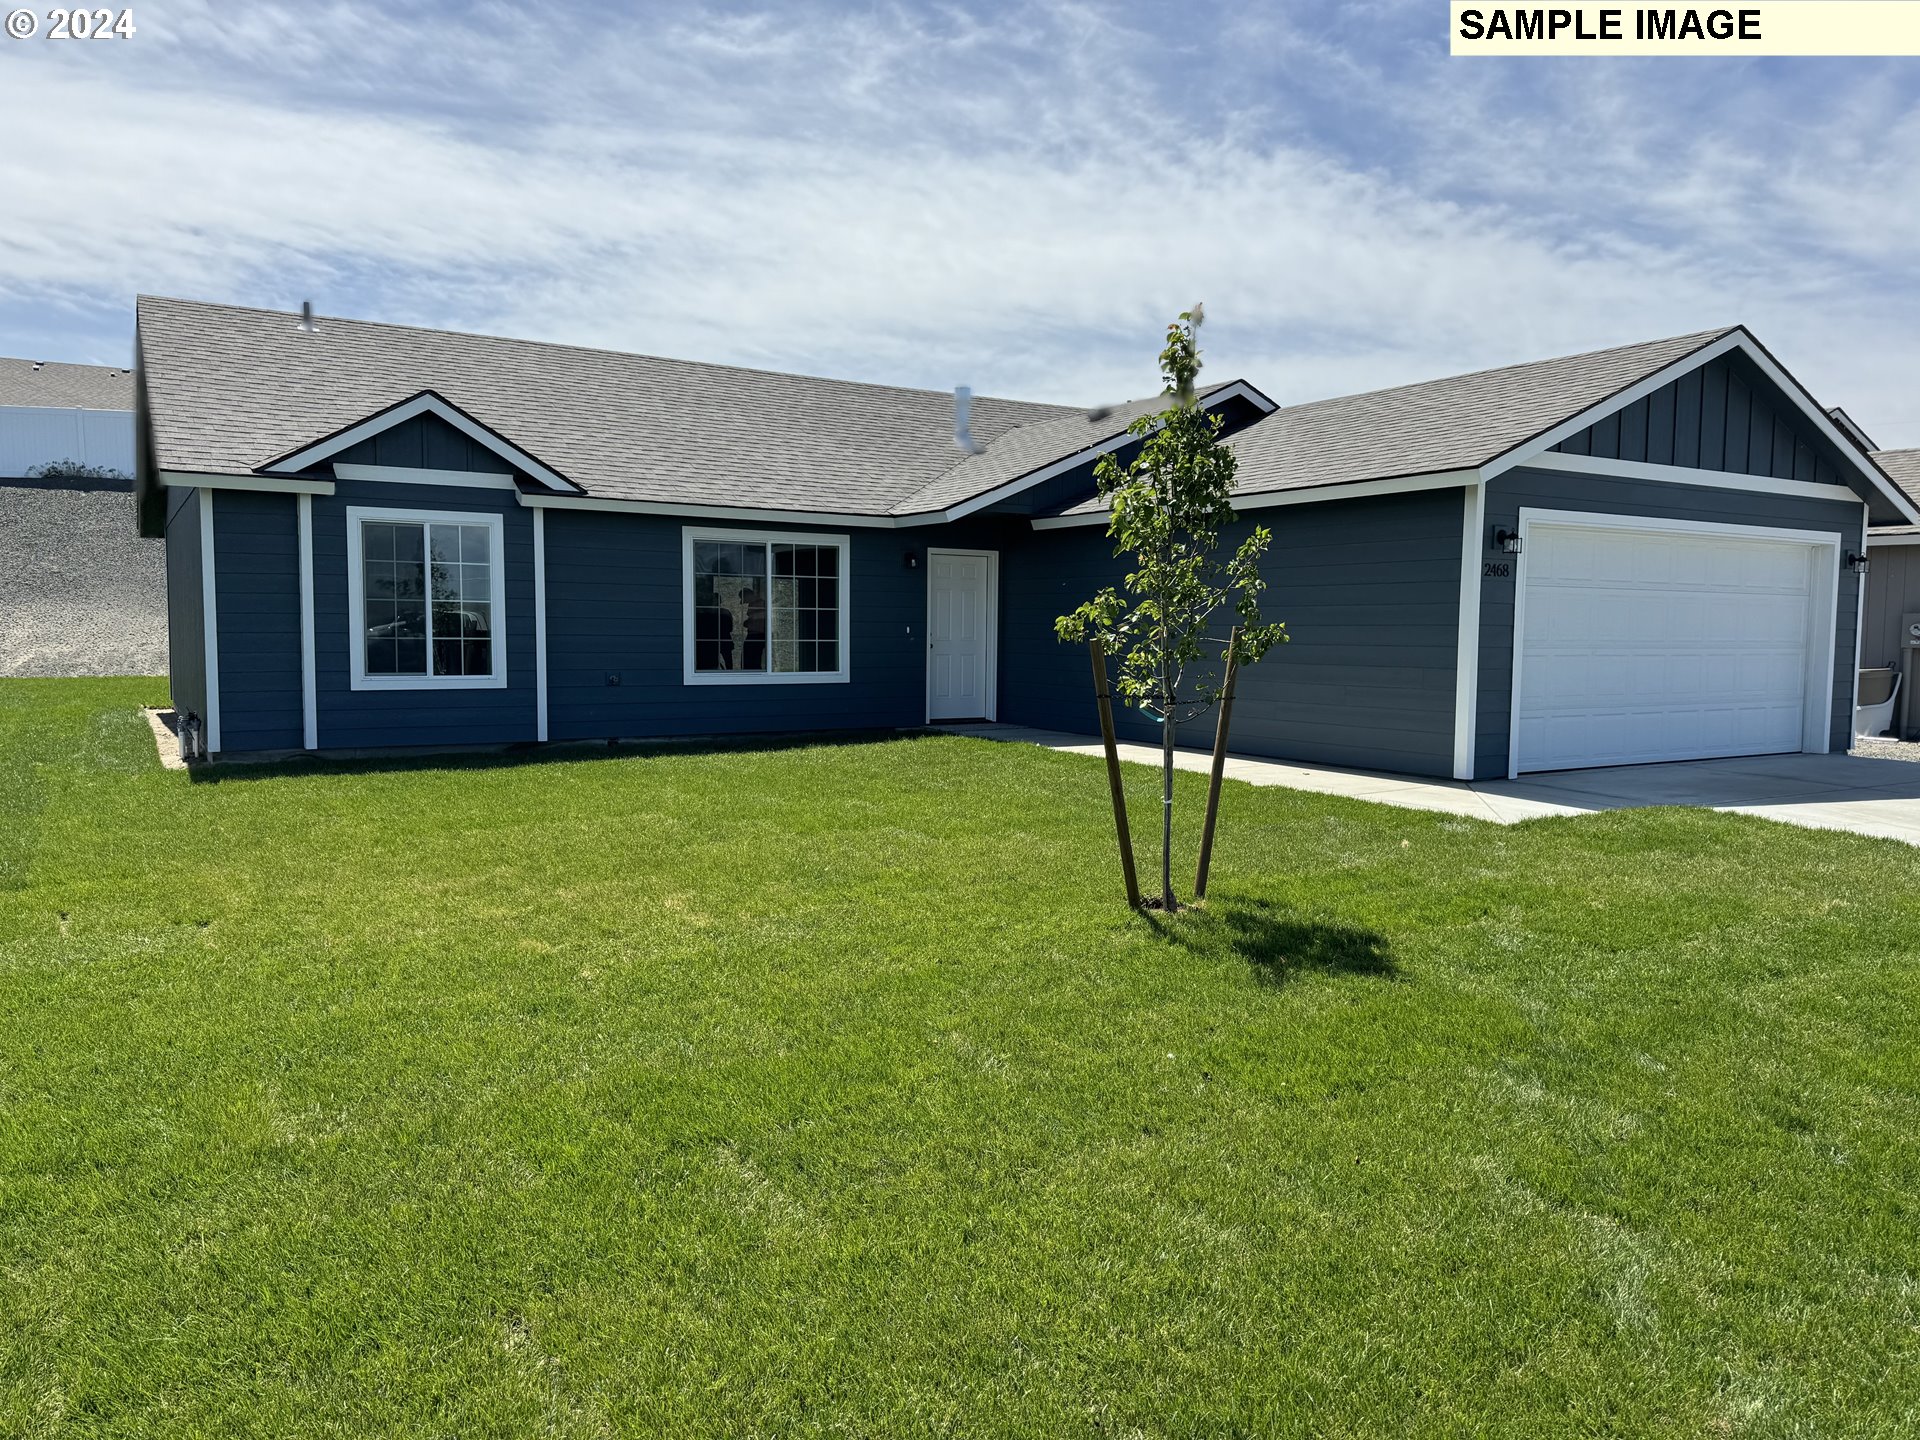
1824, 792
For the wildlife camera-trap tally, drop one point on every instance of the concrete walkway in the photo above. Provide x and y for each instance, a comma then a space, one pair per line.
1823, 792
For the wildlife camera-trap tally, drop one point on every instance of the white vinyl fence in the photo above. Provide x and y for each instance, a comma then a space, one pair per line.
35, 435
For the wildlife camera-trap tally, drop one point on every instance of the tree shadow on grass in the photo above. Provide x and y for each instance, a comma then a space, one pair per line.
1278, 941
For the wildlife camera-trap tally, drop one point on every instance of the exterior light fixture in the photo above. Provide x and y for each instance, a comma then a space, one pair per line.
1507, 540
913, 559
1857, 562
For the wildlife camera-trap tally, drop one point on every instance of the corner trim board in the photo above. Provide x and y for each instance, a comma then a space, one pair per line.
1466, 682
540, 624
309, 687
210, 621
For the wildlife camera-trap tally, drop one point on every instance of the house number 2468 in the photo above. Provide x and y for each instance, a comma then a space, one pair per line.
1498, 569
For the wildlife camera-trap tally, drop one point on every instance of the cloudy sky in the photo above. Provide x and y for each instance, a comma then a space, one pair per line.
1016, 198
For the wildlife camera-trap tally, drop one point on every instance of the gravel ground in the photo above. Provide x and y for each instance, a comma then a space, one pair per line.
80, 592
1887, 748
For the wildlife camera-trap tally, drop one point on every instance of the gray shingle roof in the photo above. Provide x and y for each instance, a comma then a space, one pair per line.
1458, 423
1027, 448
1903, 467
230, 389
57, 384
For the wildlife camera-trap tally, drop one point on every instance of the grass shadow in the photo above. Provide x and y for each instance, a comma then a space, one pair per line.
520, 755
1277, 941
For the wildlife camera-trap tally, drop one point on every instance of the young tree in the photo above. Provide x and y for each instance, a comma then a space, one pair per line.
1169, 506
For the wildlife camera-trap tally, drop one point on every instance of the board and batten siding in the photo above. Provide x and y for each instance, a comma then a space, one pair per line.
1893, 590
616, 632
186, 611
1369, 591
1606, 495
256, 582
366, 719
1724, 416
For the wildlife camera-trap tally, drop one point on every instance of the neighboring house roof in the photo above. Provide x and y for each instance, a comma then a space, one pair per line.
1903, 467
1458, 423
57, 385
230, 389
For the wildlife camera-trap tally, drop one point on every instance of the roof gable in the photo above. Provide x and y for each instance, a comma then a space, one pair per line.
404, 423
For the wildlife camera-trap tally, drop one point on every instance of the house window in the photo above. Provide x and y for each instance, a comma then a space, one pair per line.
426, 599
765, 608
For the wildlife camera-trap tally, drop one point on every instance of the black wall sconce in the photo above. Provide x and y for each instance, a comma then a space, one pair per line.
1857, 562
1507, 540
913, 559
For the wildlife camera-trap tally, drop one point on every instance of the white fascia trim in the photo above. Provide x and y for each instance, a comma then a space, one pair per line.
357, 598
210, 621
1859, 628
1686, 475
1310, 495
269, 484
1876, 541
427, 405
309, 686
537, 503
1816, 730
540, 624
1466, 682
1737, 339
409, 475
1239, 389
690, 676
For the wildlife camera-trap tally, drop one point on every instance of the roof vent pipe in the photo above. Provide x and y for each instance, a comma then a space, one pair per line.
306, 316
963, 420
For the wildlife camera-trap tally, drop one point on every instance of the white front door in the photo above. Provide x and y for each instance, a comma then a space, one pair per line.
1639, 645
960, 622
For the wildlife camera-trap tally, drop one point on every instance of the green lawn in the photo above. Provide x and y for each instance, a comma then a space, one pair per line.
829, 1090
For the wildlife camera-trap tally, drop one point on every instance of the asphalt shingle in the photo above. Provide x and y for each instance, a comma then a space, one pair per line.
55, 384
230, 389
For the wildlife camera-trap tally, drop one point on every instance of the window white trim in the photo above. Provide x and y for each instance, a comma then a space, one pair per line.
425, 403
991, 624
692, 533
1466, 679
356, 599
1816, 723
210, 622
410, 475
540, 624
309, 688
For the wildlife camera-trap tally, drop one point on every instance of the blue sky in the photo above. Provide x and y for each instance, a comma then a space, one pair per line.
1012, 197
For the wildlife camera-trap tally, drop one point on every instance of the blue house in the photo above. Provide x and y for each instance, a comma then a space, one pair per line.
380, 536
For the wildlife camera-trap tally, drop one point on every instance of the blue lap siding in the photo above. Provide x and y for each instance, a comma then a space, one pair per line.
1369, 590
256, 546
355, 719
1547, 490
186, 612
616, 628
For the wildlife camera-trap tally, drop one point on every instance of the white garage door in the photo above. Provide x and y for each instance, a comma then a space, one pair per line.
1644, 645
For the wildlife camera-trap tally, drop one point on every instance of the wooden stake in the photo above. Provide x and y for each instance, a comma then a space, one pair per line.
1104, 699
1219, 765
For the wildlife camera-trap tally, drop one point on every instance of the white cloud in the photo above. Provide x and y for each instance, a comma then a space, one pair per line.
1017, 201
